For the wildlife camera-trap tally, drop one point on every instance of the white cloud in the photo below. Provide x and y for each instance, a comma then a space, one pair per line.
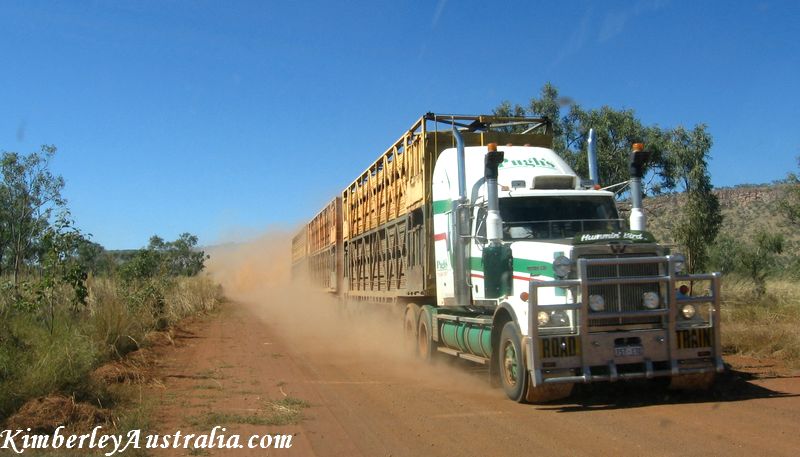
614, 22
575, 42
438, 13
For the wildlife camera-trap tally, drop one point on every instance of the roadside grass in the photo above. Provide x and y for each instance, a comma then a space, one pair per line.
287, 411
189, 296
766, 326
35, 362
123, 313
136, 416
46, 350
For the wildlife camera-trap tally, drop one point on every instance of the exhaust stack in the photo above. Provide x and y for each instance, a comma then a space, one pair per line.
497, 257
638, 158
494, 225
460, 230
594, 176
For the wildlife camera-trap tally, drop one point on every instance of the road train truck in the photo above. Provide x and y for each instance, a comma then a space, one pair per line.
493, 250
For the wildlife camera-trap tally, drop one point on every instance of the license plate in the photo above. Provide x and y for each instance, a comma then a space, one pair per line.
628, 351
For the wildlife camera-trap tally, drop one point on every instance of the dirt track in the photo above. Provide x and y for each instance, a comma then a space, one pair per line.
368, 402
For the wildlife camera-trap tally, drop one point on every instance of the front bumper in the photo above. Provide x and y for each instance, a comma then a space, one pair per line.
581, 355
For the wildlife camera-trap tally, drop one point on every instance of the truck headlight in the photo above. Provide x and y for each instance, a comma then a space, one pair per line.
559, 319
562, 266
679, 262
597, 303
688, 311
650, 300
544, 318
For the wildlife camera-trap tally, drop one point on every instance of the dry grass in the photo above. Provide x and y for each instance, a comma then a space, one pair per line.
123, 316
136, 368
766, 326
44, 415
118, 327
188, 296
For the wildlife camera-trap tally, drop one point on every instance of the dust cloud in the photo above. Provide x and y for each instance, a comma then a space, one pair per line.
257, 275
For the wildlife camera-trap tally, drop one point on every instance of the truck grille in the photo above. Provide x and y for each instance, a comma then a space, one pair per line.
623, 297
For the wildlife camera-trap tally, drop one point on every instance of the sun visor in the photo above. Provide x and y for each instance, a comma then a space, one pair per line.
555, 182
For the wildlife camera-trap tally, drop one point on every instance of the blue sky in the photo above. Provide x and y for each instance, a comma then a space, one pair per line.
225, 118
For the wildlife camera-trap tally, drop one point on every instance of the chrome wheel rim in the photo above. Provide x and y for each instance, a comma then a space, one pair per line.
510, 368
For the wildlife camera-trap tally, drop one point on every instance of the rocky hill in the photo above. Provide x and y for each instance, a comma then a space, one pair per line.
746, 210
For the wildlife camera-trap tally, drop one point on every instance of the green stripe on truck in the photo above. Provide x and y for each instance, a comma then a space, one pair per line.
533, 267
521, 266
442, 206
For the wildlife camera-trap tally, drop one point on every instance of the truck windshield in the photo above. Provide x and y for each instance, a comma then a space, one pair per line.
551, 217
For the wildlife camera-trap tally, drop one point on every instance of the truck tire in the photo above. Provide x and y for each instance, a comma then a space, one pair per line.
513, 374
693, 382
410, 323
425, 345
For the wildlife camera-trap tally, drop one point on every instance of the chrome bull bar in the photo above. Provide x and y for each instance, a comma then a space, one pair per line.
680, 361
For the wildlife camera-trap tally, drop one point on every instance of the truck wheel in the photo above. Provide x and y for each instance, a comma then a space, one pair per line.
424, 335
693, 381
514, 376
513, 373
410, 323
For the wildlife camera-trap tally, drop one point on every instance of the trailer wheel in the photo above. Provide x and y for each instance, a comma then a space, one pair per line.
513, 375
410, 323
424, 335
693, 382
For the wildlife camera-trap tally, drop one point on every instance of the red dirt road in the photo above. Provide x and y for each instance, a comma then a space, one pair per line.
366, 401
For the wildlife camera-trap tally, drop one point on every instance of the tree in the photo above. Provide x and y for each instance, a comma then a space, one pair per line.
616, 131
5, 226
701, 218
186, 259
678, 159
756, 260
180, 256
172, 258
506, 109
59, 264
93, 257
144, 264
30, 194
